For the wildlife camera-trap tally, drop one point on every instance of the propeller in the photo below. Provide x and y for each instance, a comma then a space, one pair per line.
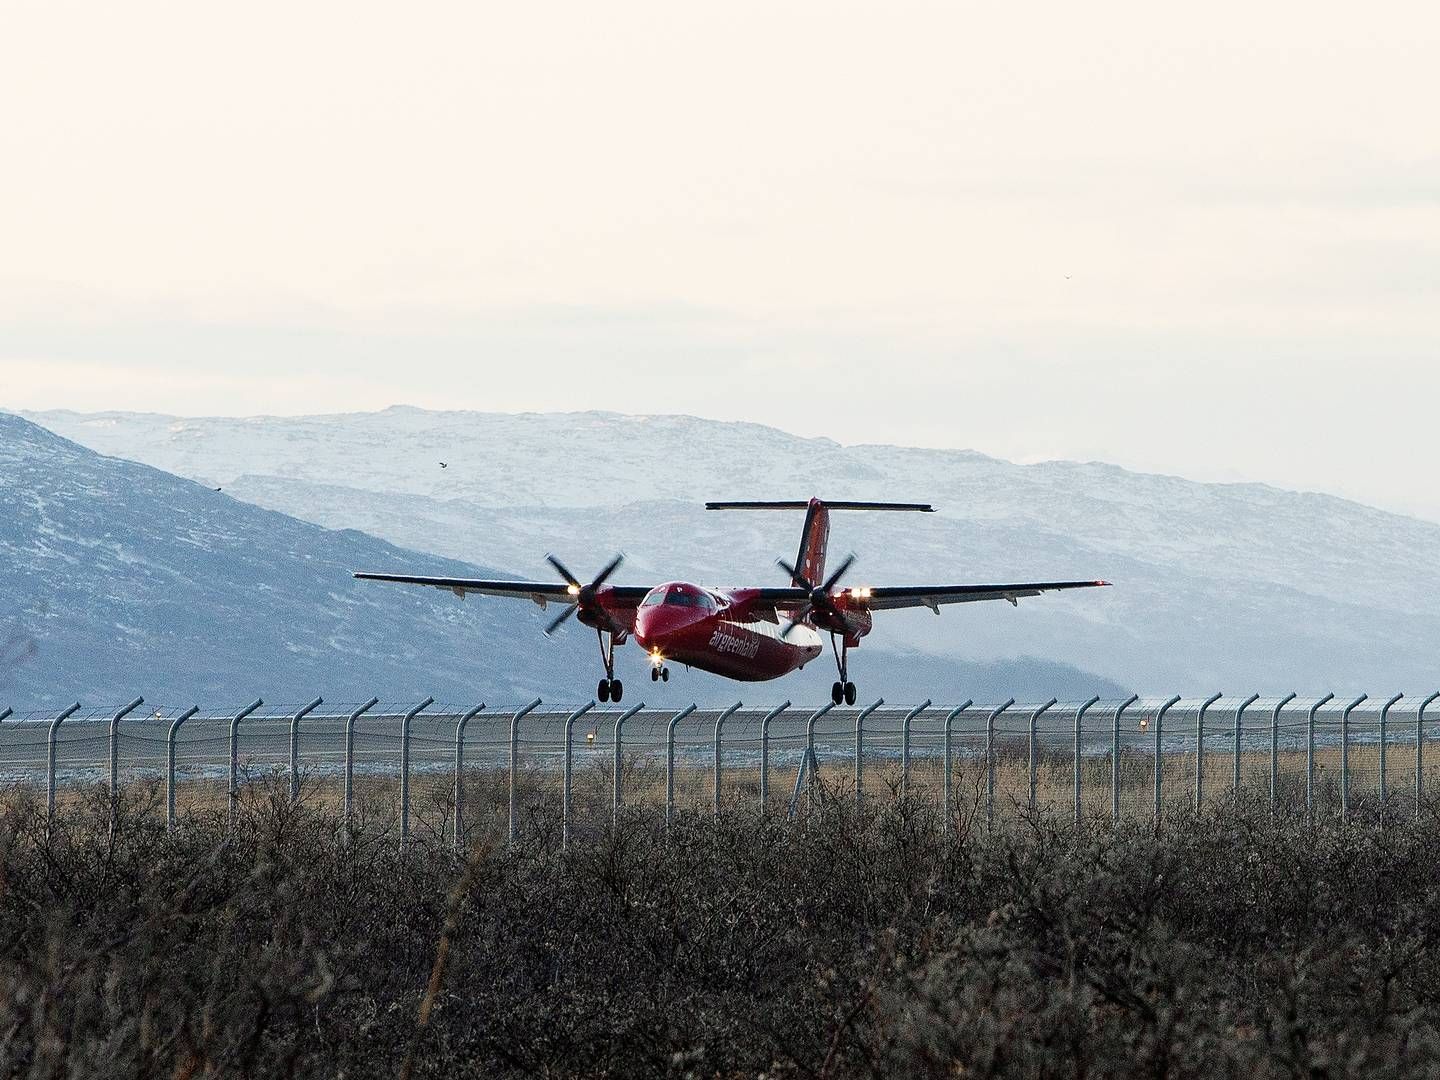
584, 595
820, 598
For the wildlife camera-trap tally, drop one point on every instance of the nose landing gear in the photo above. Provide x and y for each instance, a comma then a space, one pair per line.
660, 673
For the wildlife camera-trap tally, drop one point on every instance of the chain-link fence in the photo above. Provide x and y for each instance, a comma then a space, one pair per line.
548, 773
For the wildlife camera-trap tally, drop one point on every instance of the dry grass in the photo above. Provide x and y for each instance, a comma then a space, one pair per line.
376, 799
854, 943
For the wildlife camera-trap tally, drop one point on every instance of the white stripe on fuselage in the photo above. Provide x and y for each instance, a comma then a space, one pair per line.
733, 636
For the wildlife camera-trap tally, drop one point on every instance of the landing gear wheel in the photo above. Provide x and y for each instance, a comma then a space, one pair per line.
654, 674
837, 693
665, 674
603, 692
616, 689
849, 693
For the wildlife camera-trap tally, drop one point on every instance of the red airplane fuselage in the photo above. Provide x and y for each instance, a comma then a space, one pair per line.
728, 632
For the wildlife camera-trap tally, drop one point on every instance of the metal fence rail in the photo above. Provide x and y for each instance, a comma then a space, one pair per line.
457, 772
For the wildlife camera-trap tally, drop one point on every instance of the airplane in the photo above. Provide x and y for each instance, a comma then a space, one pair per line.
736, 632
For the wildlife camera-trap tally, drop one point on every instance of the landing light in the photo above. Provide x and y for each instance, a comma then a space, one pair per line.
573, 590
655, 658
862, 593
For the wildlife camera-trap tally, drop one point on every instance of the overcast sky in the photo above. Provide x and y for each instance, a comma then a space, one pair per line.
1201, 239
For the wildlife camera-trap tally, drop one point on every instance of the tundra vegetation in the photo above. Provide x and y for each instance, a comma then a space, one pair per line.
847, 943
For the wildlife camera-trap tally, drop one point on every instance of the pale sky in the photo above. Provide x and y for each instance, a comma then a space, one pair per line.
1200, 239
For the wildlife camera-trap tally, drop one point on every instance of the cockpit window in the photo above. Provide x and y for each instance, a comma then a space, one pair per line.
680, 596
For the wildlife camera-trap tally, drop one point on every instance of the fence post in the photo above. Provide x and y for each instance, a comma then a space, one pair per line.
305, 710
946, 758
459, 825
124, 711
1239, 719
1345, 757
990, 761
1079, 715
860, 749
905, 747
1275, 748
670, 762
569, 767
350, 764
405, 770
1200, 748
809, 761
170, 764
50, 763
1420, 750
619, 725
1310, 757
1115, 757
1034, 756
1384, 720
233, 802
719, 725
5, 712
514, 756
1159, 765
765, 754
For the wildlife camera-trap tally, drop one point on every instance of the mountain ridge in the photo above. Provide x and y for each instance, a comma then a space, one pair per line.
61, 419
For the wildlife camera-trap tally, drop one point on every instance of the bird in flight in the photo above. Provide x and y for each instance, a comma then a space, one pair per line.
444, 465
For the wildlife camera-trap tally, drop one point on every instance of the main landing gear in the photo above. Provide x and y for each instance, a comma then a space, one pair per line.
610, 688
843, 690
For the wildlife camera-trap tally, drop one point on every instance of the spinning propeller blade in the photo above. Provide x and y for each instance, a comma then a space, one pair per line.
570, 579
610, 568
839, 572
796, 578
556, 622
795, 620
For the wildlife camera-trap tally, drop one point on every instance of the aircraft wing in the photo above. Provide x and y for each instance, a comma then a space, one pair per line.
884, 598
541, 592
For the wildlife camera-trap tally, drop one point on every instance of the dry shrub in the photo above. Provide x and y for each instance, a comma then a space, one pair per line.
845, 943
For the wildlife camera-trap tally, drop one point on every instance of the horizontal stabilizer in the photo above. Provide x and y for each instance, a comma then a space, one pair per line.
924, 508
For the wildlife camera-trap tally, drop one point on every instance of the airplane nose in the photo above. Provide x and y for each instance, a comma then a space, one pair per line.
648, 628
655, 626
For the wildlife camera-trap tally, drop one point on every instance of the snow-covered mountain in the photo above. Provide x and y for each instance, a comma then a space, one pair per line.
132, 580
1217, 585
